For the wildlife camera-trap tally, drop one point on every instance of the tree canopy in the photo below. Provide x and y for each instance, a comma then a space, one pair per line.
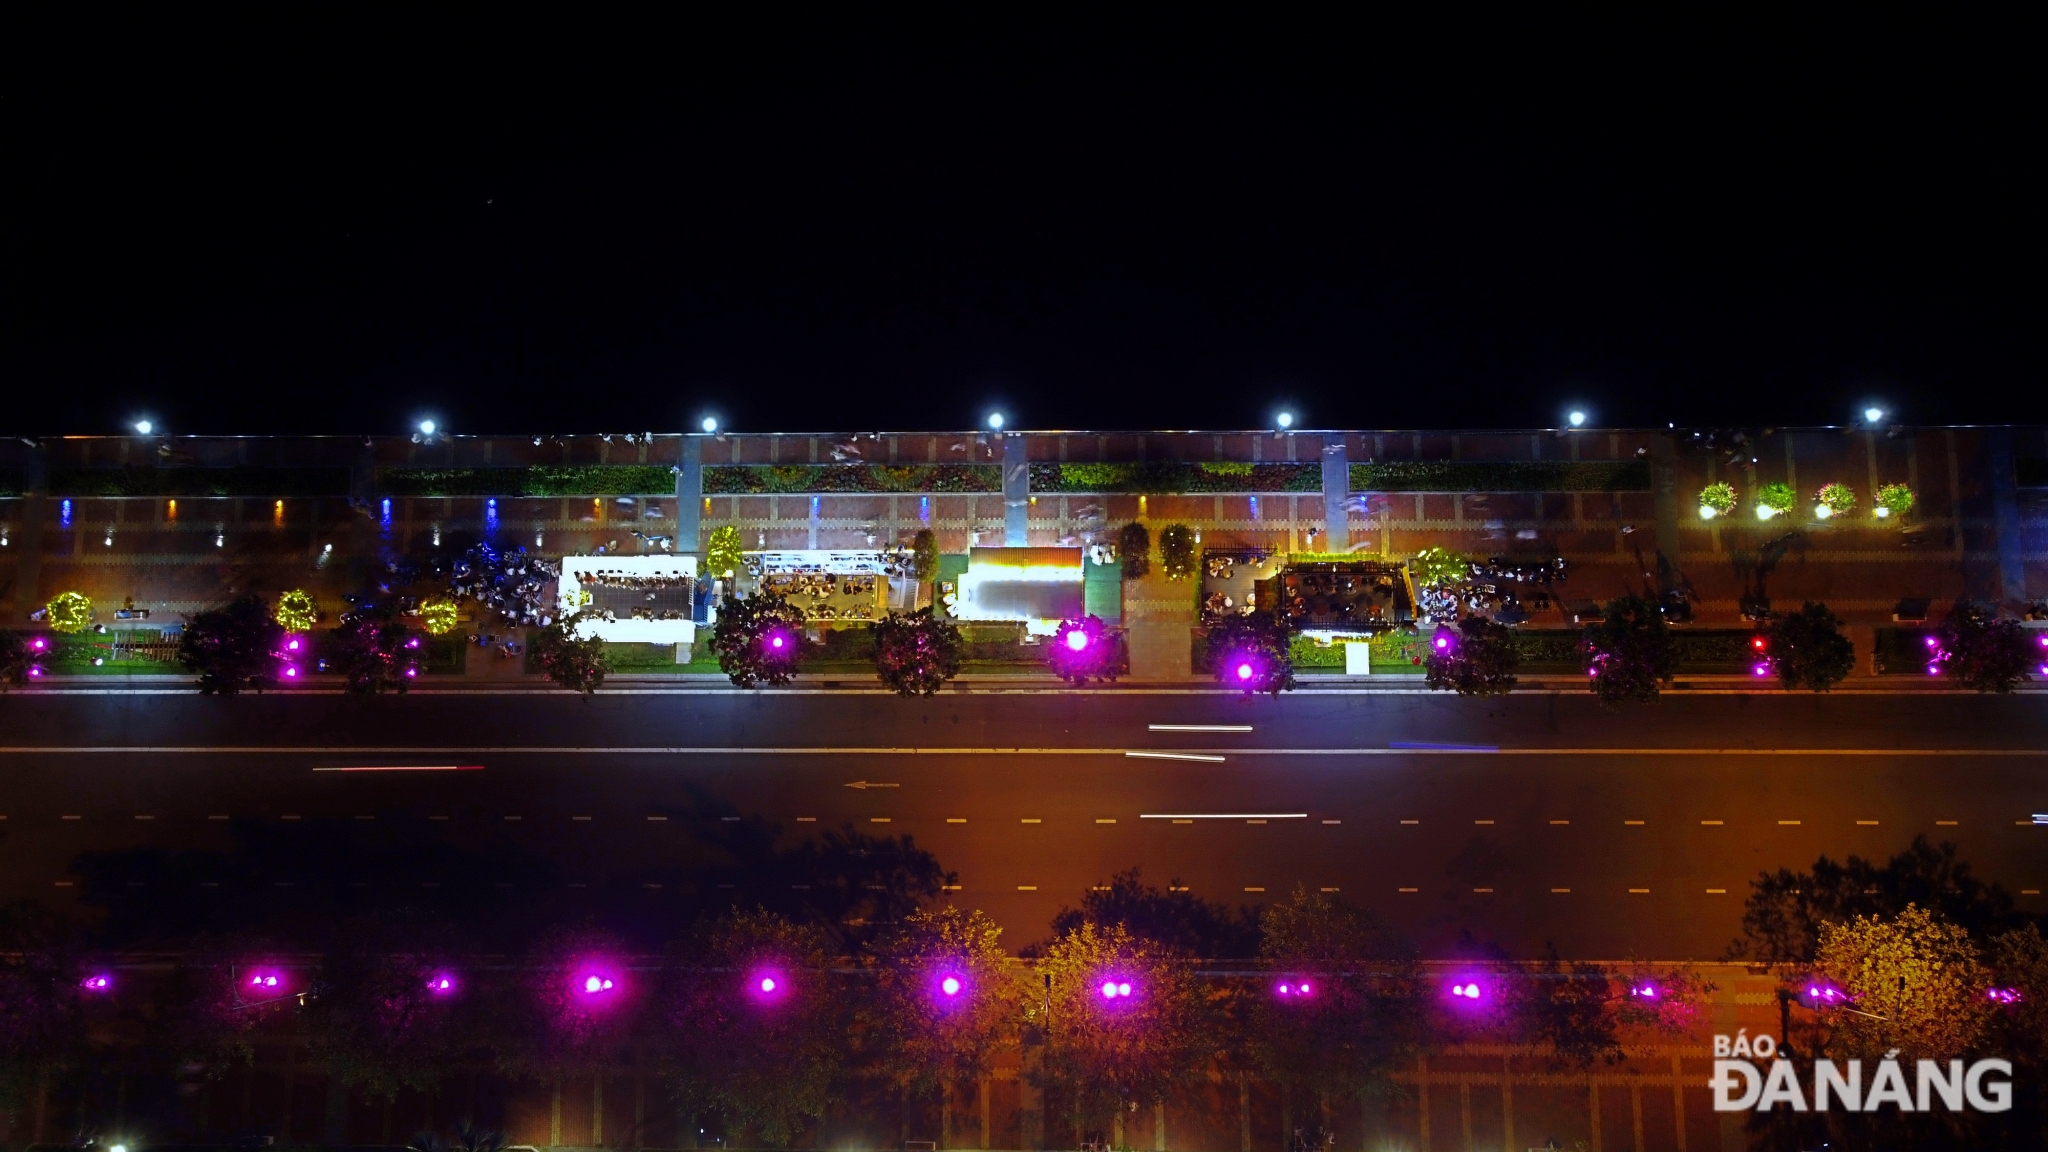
233, 648
1476, 658
1628, 651
758, 639
916, 654
1807, 649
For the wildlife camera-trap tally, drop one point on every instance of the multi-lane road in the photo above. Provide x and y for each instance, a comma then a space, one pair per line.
1539, 818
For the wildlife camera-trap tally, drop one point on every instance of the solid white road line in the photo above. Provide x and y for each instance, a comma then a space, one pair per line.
1225, 816
1174, 756
1199, 727
574, 750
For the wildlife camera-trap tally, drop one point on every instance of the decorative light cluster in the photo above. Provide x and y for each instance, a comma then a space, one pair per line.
2003, 995
263, 980
1643, 991
1302, 989
1826, 994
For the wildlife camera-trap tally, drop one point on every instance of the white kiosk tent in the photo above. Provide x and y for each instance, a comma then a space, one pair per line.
632, 599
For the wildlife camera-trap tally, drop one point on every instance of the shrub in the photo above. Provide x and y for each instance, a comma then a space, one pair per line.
1629, 652
758, 639
15, 659
233, 648
1807, 649
1177, 552
1776, 499
374, 650
1501, 476
1439, 567
916, 654
924, 555
1717, 499
439, 616
723, 557
1478, 658
1226, 468
1252, 653
1982, 652
1834, 500
70, 612
1894, 501
1134, 548
1095, 658
296, 611
575, 662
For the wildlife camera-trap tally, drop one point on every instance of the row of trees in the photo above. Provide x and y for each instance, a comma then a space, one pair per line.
763, 1020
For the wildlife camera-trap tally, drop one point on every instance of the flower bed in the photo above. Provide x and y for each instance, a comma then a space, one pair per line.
540, 480
1501, 476
766, 479
198, 482
1167, 477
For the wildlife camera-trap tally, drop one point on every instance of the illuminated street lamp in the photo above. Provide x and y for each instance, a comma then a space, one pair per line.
427, 427
709, 424
995, 421
1576, 418
1284, 419
1873, 414
144, 426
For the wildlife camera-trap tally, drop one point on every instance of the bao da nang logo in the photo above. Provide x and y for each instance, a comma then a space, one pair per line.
1741, 1086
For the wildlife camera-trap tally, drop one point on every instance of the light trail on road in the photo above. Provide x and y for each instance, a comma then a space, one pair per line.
858, 750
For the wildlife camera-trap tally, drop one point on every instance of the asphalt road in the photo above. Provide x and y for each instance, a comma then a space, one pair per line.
1540, 818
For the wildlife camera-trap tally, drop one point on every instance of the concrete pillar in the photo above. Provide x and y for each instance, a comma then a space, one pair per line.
1016, 491
2005, 511
1664, 496
690, 496
1336, 494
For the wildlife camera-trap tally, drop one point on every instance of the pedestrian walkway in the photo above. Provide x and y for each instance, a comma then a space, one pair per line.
1160, 616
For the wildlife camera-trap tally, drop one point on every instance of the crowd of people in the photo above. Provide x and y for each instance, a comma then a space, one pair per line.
614, 579
818, 585
520, 588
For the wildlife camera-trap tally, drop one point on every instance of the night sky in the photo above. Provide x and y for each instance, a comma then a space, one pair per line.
1177, 221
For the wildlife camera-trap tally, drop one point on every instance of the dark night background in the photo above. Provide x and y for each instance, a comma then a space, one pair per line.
258, 223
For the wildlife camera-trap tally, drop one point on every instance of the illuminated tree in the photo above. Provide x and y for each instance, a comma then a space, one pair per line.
1177, 552
760, 1025
1439, 568
1252, 653
1477, 658
1174, 918
1096, 655
575, 662
16, 658
1352, 1009
1984, 653
374, 650
1894, 501
1628, 652
1717, 499
1914, 980
389, 1019
1786, 910
758, 639
1107, 1052
296, 611
917, 654
439, 616
70, 612
1134, 550
1807, 649
1777, 498
233, 648
929, 1038
722, 557
924, 555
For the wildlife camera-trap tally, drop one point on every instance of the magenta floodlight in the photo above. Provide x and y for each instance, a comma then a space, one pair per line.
35, 670
1825, 994
39, 644
1116, 989
291, 644
1468, 991
1442, 640
2003, 995
411, 671
595, 984
1761, 669
291, 672
951, 986
441, 984
98, 982
412, 642
767, 984
1077, 640
261, 981
1244, 671
1643, 991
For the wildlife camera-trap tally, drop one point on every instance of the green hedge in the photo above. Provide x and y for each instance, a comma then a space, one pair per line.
10, 483
1544, 651
540, 480
1171, 477
764, 479
1501, 476
1902, 651
199, 481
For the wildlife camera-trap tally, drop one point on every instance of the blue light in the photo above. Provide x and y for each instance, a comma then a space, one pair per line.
491, 515
387, 512
924, 509
65, 514
1255, 507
